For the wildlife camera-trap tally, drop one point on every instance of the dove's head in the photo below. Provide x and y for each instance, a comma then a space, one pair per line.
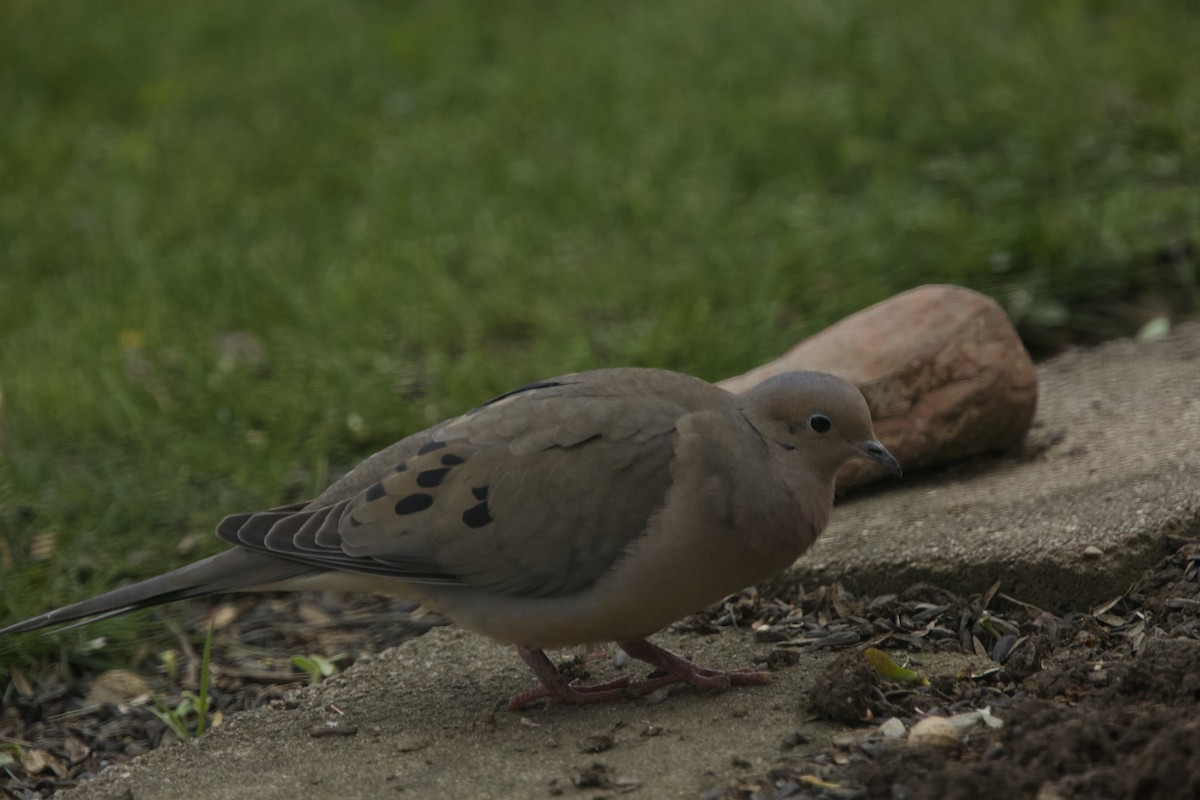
819, 417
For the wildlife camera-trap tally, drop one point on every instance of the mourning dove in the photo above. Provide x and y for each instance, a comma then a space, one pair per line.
599, 506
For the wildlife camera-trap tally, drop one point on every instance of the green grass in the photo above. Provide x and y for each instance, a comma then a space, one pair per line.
411, 206
191, 703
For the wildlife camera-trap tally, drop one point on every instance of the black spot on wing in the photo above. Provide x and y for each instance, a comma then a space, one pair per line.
375, 492
431, 477
477, 515
480, 492
451, 460
414, 503
520, 390
591, 438
401, 467
429, 447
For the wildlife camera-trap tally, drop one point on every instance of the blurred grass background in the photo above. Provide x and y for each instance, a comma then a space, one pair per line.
244, 245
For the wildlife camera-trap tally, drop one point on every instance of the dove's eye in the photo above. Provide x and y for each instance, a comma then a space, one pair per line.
819, 423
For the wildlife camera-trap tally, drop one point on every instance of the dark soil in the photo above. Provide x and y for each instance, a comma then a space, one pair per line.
1097, 703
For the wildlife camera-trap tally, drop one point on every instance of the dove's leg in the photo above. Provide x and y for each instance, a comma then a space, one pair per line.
679, 669
556, 688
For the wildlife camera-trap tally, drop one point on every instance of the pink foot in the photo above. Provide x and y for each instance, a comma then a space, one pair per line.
556, 688
676, 668
679, 670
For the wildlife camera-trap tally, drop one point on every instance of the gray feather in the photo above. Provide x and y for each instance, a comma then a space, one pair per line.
231, 571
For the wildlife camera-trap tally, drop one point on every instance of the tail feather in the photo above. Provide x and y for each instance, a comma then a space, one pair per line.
230, 571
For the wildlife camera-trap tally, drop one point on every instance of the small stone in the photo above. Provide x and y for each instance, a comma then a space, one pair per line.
1092, 552
656, 697
333, 728
117, 686
411, 744
937, 732
36, 761
223, 616
595, 744
594, 777
43, 546
239, 349
794, 739
851, 739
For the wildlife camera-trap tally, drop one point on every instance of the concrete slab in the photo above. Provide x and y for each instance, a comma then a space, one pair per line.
428, 727
1112, 463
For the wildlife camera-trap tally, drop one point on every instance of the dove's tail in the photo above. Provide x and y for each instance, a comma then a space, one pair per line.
232, 571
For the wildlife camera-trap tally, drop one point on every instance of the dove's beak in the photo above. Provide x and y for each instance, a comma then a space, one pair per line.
879, 454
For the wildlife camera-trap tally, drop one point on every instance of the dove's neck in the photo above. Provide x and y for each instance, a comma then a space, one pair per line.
803, 477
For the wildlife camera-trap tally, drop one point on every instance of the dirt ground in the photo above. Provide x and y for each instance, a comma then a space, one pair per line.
1096, 705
